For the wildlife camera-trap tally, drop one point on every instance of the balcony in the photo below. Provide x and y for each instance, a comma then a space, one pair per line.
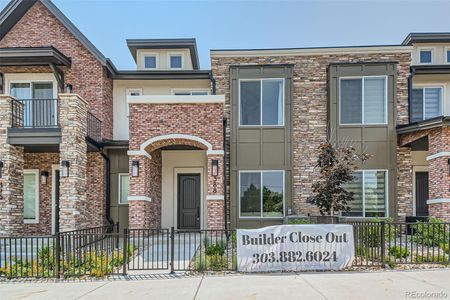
35, 125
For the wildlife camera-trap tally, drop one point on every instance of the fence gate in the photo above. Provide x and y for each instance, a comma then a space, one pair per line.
150, 249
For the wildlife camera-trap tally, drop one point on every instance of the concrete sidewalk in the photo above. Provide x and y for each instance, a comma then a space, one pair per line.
431, 284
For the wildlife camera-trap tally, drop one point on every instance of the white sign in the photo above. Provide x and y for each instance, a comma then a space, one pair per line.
295, 248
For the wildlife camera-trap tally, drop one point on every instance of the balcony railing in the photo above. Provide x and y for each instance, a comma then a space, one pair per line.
94, 127
35, 113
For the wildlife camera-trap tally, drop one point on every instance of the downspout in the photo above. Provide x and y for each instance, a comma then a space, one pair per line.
410, 88
107, 187
225, 206
213, 82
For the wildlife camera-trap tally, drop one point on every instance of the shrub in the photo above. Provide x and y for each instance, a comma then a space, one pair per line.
370, 234
430, 259
211, 262
215, 249
445, 248
298, 221
399, 252
432, 233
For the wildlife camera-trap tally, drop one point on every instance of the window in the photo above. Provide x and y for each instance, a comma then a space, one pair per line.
363, 100
176, 61
369, 189
447, 55
426, 103
31, 196
426, 56
150, 61
189, 93
124, 182
262, 102
261, 194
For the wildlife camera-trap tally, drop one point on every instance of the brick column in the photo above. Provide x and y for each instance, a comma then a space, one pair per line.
439, 179
11, 181
73, 148
144, 200
215, 198
404, 183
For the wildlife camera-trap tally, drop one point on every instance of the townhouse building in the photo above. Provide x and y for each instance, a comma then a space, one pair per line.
168, 144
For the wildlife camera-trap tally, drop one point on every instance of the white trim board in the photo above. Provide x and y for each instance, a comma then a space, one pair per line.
139, 198
438, 200
176, 99
215, 197
439, 154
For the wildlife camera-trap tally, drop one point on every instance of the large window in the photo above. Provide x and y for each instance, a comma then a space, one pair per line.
262, 102
124, 182
261, 194
363, 100
426, 103
370, 198
31, 196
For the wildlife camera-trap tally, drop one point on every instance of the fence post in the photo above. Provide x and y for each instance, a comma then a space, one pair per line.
58, 254
172, 250
125, 251
383, 245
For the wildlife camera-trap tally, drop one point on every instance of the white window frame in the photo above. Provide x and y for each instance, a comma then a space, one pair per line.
119, 202
173, 91
261, 106
363, 102
386, 192
148, 54
36, 219
170, 54
261, 183
431, 86
420, 49
446, 61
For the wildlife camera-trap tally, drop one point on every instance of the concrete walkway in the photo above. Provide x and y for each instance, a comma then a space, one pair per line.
432, 284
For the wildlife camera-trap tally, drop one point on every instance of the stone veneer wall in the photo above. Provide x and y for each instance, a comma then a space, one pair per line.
39, 27
309, 108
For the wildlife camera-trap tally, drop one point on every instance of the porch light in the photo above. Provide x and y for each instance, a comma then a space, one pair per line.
44, 177
1, 168
69, 88
65, 166
135, 168
215, 167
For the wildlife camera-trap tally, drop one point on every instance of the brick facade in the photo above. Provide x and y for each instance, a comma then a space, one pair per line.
309, 106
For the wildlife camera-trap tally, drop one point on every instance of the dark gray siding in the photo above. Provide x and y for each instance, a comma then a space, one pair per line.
119, 164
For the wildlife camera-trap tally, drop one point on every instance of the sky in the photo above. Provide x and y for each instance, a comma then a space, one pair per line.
251, 24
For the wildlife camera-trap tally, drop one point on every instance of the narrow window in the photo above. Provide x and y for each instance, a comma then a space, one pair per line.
448, 56
425, 56
31, 196
262, 194
124, 182
176, 61
426, 103
150, 62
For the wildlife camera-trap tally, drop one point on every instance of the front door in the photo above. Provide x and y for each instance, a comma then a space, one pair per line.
421, 194
189, 201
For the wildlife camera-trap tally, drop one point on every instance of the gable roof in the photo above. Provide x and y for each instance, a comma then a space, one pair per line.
191, 44
16, 9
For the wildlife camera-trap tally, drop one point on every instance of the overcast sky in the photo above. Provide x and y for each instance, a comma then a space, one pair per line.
251, 24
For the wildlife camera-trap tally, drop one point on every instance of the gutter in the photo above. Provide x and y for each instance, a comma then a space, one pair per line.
213, 82
107, 187
225, 206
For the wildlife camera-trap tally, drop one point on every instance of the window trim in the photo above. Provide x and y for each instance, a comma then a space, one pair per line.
37, 200
386, 192
148, 54
386, 110
119, 188
174, 90
261, 107
431, 49
261, 182
431, 86
170, 54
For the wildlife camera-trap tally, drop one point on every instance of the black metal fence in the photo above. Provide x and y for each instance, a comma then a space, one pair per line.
94, 127
35, 113
391, 243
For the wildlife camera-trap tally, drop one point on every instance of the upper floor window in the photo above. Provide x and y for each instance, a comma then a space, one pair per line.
369, 188
426, 103
176, 61
447, 55
426, 56
363, 100
150, 62
261, 102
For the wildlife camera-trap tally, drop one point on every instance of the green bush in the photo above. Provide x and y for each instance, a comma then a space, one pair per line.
399, 252
298, 221
445, 248
215, 249
430, 259
369, 234
211, 262
432, 233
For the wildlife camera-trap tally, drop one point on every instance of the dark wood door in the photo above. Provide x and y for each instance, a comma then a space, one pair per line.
421, 194
189, 201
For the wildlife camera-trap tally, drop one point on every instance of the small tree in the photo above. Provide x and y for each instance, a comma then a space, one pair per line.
336, 165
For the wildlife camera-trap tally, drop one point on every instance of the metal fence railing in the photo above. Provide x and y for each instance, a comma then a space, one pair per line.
35, 113
94, 127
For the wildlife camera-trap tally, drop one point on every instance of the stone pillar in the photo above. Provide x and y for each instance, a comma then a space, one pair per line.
439, 178
215, 198
404, 183
144, 200
11, 181
73, 212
